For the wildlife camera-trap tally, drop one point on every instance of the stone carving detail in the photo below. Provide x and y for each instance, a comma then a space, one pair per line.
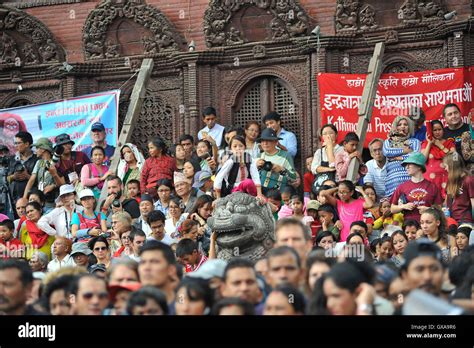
391, 36
353, 15
25, 40
259, 51
164, 36
289, 20
413, 11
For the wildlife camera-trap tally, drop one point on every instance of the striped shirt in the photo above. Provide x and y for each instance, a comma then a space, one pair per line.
376, 176
396, 173
192, 268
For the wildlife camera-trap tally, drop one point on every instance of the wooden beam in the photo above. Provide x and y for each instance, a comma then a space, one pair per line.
131, 119
367, 104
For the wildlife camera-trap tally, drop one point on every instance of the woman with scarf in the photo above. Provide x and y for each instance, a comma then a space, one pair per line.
31, 235
130, 165
396, 148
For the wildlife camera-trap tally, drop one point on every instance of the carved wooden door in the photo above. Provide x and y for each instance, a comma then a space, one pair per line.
267, 94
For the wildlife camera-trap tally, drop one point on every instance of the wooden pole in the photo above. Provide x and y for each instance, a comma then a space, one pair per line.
131, 119
367, 104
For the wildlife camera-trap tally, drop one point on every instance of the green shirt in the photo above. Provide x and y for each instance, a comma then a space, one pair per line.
274, 179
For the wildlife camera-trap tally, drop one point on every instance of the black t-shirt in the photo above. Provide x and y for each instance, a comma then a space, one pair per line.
131, 206
456, 135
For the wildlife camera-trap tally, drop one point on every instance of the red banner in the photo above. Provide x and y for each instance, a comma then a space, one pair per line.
341, 94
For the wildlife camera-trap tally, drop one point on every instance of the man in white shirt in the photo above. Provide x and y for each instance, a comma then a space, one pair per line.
157, 220
61, 249
377, 171
215, 130
146, 207
137, 238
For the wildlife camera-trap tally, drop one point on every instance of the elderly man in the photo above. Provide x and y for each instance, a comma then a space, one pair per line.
98, 136
377, 171
184, 190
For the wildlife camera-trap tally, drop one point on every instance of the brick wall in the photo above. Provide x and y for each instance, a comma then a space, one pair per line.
66, 21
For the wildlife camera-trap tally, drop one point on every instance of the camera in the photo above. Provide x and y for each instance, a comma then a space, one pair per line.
206, 156
267, 166
19, 167
4, 162
58, 151
116, 203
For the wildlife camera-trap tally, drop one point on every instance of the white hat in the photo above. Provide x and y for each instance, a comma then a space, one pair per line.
86, 193
64, 190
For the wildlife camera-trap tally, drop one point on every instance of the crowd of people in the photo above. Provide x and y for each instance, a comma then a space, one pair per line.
342, 245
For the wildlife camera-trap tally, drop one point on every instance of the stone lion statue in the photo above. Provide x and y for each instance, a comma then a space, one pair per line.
245, 227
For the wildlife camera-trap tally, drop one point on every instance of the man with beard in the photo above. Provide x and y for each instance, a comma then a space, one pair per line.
16, 282
423, 268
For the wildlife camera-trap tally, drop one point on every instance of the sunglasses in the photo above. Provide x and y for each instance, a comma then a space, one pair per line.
100, 295
100, 248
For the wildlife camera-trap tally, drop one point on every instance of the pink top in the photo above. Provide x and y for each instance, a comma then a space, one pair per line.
91, 178
348, 213
342, 164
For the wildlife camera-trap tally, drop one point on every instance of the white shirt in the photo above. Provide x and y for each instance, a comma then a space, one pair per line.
166, 239
134, 258
60, 218
376, 176
216, 133
145, 228
169, 229
55, 265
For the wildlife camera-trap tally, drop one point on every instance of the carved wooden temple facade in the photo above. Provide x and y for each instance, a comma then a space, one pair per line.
244, 57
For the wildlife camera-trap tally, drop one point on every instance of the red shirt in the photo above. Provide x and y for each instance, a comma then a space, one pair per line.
461, 209
155, 169
192, 268
12, 245
424, 193
308, 181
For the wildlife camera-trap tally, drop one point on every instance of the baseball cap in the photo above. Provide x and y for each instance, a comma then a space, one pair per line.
114, 289
201, 177
98, 126
213, 268
313, 204
97, 267
80, 248
418, 248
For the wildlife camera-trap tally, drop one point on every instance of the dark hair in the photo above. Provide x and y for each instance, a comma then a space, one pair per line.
164, 182
115, 177
40, 194
165, 249
209, 111
298, 197
196, 165
360, 224
319, 256
464, 291
318, 302
350, 274
370, 186
401, 233
26, 275
155, 216
134, 181
297, 298
159, 143
9, 224
352, 235
330, 125
100, 148
179, 202
438, 214
36, 206
25, 137
274, 194
328, 208
459, 266
186, 226
238, 262
288, 190
173, 149
197, 290
351, 187
351, 136
200, 202
140, 297
136, 232
185, 137
238, 138
207, 143
284, 250
249, 123
433, 122
60, 283
409, 223
450, 105
185, 247
271, 116
374, 243
93, 241
247, 308
322, 235
292, 222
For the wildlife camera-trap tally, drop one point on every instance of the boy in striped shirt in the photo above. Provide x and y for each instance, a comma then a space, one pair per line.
187, 252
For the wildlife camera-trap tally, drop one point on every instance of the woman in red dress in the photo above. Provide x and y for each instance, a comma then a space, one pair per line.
434, 148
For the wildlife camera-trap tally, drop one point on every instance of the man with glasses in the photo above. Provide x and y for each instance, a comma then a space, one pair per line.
21, 165
377, 171
89, 295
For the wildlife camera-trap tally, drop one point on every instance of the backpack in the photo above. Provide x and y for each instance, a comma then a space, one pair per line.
228, 185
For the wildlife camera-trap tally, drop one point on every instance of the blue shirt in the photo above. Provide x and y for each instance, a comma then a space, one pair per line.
109, 152
420, 134
289, 141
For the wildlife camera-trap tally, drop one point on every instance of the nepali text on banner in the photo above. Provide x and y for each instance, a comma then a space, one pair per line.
73, 116
341, 95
